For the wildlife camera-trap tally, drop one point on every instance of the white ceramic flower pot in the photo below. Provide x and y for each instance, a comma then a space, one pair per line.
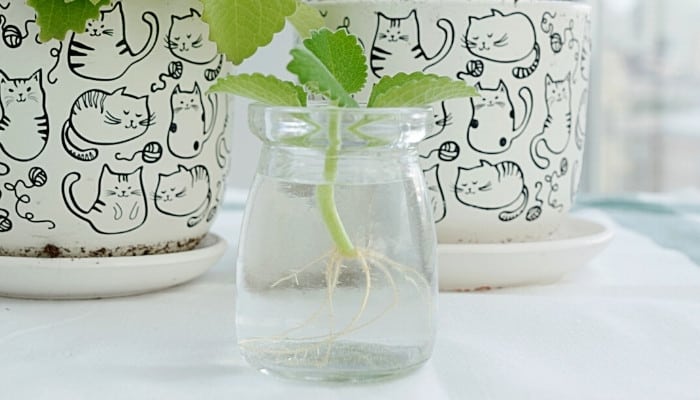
504, 166
109, 144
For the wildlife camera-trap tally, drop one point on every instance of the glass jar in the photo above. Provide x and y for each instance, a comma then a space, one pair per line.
336, 271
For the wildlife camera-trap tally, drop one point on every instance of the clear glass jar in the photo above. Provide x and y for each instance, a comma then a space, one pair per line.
336, 271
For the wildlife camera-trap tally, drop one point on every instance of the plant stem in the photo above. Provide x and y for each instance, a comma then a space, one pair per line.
325, 194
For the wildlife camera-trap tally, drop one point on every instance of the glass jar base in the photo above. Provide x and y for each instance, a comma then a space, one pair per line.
336, 361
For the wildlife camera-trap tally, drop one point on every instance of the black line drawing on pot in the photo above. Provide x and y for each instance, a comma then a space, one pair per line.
150, 154
435, 192
493, 187
220, 191
557, 37
102, 52
492, 128
556, 133
443, 118
4, 169
175, 70
502, 38
119, 205
24, 123
397, 40
586, 50
37, 178
188, 128
447, 152
101, 118
184, 193
558, 196
5, 221
12, 35
4, 6
223, 150
187, 39
55, 53
535, 212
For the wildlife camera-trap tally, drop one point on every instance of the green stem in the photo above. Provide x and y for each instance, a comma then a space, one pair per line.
325, 194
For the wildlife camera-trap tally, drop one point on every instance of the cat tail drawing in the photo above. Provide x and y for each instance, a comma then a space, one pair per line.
201, 212
214, 113
507, 216
72, 149
152, 21
68, 198
525, 72
526, 96
449, 33
212, 73
222, 148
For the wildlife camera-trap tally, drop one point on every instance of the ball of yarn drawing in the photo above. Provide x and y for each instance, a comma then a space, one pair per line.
5, 223
175, 69
152, 152
37, 177
534, 213
449, 151
556, 42
12, 37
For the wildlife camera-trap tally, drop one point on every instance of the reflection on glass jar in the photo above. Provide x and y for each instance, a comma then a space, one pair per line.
336, 266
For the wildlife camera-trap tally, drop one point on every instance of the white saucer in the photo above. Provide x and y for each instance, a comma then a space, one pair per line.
489, 266
90, 278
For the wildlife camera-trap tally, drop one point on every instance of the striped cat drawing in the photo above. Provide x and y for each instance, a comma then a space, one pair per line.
185, 193
502, 38
102, 118
397, 42
493, 187
102, 52
24, 124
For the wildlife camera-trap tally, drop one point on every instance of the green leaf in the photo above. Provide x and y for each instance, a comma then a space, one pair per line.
265, 89
417, 90
331, 64
306, 19
240, 27
56, 18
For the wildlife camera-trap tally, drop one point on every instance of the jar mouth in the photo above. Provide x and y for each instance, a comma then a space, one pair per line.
312, 126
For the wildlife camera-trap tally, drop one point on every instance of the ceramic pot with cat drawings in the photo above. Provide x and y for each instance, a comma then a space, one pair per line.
503, 166
109, 144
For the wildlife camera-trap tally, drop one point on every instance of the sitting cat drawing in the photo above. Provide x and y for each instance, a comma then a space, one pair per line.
184, 193
24, 124
437, 196
502, 38
102, 52
102, 118
397, 43
492, 129
120, 205
556, 133
493, 187
188, 129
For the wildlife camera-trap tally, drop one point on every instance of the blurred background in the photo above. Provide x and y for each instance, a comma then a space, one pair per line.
644, 116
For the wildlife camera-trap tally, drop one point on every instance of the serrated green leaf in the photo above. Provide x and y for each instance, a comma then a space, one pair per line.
306, 19
331, 64
56, 18
240, 27
265, 89
417, 90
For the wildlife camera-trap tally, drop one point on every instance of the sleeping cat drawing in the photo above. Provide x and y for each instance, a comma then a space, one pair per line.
435, 192
187, 40
118, 116
120, 205
502, 38
493, 187
556, 133
397, 42
493, 129
185, 193
102, 52
190, 128
24, 124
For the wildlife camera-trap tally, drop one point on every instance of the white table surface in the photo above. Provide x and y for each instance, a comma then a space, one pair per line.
627, 326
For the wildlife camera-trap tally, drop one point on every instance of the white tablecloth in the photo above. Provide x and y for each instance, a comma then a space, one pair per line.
625, 327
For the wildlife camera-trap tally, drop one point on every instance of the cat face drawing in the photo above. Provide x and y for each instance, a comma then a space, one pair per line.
24, 124
556, 132
397, 45
502, 38
188, 39
435, 192
121, 117
493, 128
102, 51
493, 187
184, 193
188, 129
120, 205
